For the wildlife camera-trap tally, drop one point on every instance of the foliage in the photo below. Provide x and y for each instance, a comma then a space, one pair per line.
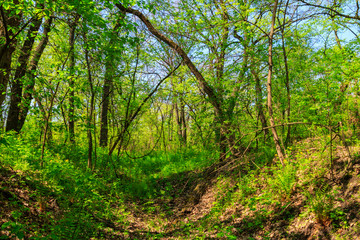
321, 203
177, 95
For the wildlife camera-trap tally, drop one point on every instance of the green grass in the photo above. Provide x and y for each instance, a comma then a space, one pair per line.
90, 199
82, 193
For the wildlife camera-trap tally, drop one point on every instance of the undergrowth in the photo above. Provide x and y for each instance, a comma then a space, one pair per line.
249, 199
90, 200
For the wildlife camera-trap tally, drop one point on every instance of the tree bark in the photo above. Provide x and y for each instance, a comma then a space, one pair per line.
29, 88
108, 82
226, 137
48, 117
269, 100
258, 100
72, 24
92, 100
7, 48
181, 121
287, 80
13, 119
105, 103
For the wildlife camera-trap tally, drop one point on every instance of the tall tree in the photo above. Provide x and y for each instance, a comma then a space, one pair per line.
107, 87
73, 22
32, 72
213, 94
92, 101
20, 77
269, 89
9, 29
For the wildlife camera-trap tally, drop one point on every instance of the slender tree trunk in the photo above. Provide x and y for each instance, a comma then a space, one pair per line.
131, 116
287, 78
226, 138
258, 102
13, 122
336, 35
29, 88
72, 24
179, 107
95, 144
109, 72
105, 101
181, 122
92, 100
288, 107
170, 123
47, 124
178, 122
269, 100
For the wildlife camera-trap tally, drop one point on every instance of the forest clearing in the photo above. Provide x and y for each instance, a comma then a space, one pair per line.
209, 119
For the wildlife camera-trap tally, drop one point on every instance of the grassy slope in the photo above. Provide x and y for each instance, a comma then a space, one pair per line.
180, 195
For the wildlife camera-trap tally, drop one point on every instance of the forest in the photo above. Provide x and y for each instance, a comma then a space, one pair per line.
179, 119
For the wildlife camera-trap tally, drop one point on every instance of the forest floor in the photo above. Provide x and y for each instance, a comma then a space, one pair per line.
315, 196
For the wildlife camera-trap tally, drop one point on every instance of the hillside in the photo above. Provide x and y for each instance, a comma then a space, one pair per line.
246, 198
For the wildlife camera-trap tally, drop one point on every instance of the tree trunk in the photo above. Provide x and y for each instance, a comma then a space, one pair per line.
269, 100
226, 137
72, 24
13, 120
7, 22
29, 88
91, 112
109, 72
287, 77
258, 102
48, 117
181, 122
105, 104
204, 85
213, 97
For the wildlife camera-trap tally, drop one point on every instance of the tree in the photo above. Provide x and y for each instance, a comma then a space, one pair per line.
9, 30
73, 22
215, 98
110, 69
13, 120
32, 71
269, 96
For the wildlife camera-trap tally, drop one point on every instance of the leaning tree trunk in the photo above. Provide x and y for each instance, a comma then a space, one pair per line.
29, 88
213, 98
269, 100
